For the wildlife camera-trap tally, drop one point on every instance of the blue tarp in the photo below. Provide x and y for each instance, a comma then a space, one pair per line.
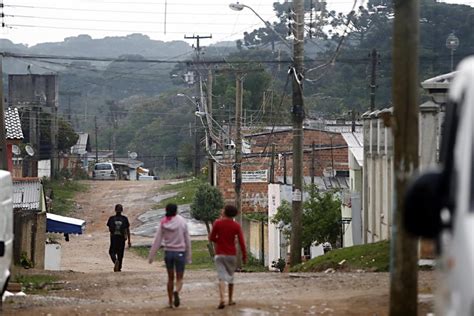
64, 225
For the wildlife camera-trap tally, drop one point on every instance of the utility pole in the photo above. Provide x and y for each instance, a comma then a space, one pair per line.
312, 162
238, 156
238, 145
197, 160
96, 141
404, 261
298, 117
210, 161
272, 168
196, 149
374, 57
3, 138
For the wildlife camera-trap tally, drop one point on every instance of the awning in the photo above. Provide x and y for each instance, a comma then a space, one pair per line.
64, 225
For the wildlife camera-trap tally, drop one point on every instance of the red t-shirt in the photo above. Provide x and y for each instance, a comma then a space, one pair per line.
223, 234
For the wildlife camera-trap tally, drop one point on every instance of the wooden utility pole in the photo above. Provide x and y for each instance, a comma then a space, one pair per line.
197, 160
298, 117
238, 145
272, 167
196, 149
210, 161
3, 138
313, 150
404, 263
96, 141
373, 85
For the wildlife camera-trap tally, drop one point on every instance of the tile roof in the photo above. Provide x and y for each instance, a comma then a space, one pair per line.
13, 124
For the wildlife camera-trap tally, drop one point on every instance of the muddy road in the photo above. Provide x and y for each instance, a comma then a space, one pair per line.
87, 284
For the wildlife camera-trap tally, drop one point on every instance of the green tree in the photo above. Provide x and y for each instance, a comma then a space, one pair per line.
206, 207
321, 217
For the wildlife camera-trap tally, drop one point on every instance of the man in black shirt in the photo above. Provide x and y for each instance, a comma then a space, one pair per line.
119, 228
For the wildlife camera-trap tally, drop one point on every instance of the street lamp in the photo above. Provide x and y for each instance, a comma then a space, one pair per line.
198, 112
239, 7
452, 42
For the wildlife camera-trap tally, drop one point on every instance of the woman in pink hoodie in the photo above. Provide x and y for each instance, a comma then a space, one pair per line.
172, 233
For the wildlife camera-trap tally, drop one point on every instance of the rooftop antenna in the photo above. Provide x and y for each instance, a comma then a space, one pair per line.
29, 150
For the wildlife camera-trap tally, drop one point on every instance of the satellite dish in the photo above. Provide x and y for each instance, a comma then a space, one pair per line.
16, 150
29, 150
133, 155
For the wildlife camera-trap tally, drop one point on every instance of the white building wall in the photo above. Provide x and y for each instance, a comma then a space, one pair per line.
378, 182
274, 201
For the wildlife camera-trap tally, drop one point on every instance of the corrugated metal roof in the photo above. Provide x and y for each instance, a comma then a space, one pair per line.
27, 194
80, 147
13, 124
131, 163
356, 145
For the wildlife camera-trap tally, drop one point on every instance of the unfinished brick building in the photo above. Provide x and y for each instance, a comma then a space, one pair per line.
330, 157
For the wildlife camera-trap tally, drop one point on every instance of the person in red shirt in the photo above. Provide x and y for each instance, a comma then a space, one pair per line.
224, 231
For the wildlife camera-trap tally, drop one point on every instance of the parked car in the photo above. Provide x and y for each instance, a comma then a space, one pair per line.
440, 204
104, 171
6, 228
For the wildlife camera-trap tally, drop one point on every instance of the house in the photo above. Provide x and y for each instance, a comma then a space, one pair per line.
14, 136
36, 95
127, 168
81, 150
325, 154
277, 246
378, 168
351, 209
29, 213
269, 161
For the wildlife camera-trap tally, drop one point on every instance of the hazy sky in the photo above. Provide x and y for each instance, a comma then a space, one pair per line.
35, 21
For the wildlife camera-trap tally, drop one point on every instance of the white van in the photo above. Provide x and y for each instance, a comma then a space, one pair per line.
6, 228
104, 171
440, 204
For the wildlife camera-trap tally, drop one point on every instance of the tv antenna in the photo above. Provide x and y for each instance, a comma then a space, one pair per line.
29, 150
16, 150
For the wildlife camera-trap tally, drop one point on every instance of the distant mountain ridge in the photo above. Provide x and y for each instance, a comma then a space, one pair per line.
112, 46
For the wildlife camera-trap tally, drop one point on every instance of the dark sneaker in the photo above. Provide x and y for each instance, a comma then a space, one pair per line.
117, 266
176, 299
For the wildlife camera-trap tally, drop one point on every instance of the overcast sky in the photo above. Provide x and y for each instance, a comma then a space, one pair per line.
35, 21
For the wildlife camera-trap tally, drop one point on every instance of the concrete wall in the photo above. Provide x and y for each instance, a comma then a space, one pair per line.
255, 242
30, 236
378, 177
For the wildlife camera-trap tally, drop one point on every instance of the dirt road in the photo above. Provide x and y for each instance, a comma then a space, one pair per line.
89, 287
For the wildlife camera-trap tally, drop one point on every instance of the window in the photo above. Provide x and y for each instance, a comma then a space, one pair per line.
103, 166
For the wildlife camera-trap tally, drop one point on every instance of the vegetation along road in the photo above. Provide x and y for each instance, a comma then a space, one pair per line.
87, 285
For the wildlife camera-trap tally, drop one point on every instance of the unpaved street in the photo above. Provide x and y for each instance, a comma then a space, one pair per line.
89, 287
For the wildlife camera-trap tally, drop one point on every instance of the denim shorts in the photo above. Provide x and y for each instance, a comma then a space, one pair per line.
175, 260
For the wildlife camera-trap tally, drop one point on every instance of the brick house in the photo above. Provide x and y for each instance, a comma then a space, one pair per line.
330, 159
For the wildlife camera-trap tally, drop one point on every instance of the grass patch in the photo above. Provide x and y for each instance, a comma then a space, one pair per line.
373, 257
186, 191
34, 284
63, 194
201, 258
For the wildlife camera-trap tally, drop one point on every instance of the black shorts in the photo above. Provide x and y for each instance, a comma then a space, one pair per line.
175, 260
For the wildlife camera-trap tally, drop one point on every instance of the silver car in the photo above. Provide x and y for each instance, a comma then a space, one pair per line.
104, 171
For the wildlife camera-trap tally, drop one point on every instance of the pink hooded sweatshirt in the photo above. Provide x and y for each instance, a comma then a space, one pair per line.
173, 235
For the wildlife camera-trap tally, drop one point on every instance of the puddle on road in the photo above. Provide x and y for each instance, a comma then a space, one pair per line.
252, 312
152, 218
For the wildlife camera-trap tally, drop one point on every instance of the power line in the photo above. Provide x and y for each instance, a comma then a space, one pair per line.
111, 21
10, 25
127, 12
